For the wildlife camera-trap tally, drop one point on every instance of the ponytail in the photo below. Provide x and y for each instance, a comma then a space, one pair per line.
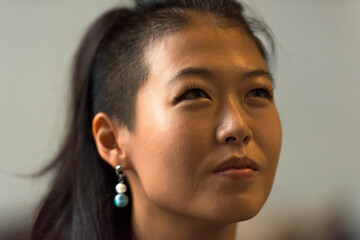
79, 205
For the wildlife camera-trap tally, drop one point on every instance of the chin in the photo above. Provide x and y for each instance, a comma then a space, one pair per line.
226, 218
240, 211
246, 215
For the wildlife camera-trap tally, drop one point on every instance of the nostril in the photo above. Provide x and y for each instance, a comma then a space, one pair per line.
234, 139
230, 139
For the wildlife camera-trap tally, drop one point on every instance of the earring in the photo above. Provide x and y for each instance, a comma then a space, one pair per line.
121, 200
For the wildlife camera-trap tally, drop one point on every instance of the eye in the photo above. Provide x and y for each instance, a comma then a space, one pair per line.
193, 92
260, 93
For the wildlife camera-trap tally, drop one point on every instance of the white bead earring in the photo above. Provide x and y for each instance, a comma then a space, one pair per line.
121, 200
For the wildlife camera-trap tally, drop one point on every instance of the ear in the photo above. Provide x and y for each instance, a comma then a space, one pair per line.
111, 140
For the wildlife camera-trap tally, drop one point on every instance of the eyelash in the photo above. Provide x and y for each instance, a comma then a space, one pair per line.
258, 92
265, 93
188, 88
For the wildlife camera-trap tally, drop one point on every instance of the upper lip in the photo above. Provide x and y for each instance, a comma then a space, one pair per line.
237, 162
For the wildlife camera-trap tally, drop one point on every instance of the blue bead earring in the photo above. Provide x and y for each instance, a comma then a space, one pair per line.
121, 200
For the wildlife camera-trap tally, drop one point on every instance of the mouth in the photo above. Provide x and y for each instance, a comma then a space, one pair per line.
238, 168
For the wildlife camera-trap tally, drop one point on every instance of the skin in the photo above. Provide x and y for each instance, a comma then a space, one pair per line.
181, 135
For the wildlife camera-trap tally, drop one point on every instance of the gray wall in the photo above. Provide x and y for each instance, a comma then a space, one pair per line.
317, 93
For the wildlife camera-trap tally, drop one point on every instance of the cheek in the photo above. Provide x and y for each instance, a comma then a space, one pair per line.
268, 137
169, 147
267, 131
169, 138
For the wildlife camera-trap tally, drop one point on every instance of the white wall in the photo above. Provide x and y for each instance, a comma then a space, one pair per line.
318, 96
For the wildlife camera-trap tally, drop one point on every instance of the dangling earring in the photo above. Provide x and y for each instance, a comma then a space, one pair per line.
121, 200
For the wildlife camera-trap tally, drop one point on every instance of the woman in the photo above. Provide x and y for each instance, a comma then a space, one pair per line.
177, 97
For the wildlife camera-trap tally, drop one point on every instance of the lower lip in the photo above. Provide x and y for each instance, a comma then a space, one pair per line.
237, 173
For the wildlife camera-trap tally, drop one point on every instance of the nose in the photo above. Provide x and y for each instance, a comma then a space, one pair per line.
233, 127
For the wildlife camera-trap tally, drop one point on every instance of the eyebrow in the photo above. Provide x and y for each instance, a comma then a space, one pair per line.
259, 73
202, 72
187, 72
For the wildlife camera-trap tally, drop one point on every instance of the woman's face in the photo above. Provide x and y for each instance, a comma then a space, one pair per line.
207, 102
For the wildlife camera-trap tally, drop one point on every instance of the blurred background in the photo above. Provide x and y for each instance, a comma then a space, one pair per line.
316, 194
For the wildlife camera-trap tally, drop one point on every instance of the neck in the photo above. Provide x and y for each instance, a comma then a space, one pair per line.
151, 222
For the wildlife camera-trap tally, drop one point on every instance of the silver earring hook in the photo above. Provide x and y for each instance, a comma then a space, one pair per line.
120, 172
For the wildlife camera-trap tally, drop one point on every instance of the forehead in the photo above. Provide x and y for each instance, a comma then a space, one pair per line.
205, 45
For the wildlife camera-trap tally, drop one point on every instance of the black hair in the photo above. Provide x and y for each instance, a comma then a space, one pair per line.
108, 71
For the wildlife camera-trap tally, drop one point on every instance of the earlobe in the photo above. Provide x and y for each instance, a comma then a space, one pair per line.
108, 143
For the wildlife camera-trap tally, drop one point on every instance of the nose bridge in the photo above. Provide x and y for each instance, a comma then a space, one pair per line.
233, 112
234, 107
233, 123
